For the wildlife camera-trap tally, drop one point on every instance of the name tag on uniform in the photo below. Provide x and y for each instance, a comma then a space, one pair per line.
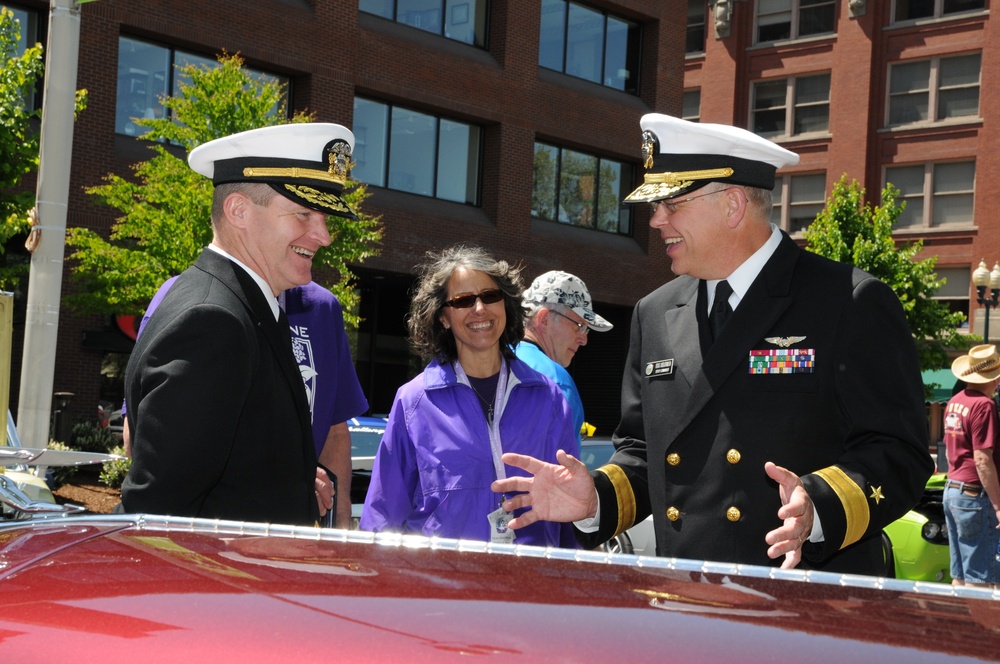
660, 368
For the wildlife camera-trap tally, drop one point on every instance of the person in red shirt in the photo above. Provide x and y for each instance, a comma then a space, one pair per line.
972, 492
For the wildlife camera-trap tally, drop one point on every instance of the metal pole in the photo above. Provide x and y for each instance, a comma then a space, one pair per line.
45, 280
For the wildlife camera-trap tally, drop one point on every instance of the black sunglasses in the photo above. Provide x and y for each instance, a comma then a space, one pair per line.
491, 296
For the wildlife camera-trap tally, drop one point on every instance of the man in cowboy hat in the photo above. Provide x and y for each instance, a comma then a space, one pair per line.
218, 413
972, 492
772, 407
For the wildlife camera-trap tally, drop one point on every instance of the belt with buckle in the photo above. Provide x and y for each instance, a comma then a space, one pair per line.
965, 487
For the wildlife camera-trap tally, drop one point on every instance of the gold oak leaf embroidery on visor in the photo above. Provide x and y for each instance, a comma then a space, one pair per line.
318, 197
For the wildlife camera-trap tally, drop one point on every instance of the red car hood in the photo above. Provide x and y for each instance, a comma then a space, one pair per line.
110, 588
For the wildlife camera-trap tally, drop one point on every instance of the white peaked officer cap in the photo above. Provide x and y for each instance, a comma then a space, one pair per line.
305, 162
681, 156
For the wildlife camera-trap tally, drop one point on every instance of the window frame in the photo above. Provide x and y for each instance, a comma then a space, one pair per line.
632, 55
450, 13
361, 149
690, 31
938, 12
172, 82
933, 91
929, 196
783, 204
791, 106
626, 176
795, 12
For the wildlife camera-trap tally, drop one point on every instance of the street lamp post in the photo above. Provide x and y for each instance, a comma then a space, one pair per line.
983, 278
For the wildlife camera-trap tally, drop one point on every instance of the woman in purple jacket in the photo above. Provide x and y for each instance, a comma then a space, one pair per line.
475, 400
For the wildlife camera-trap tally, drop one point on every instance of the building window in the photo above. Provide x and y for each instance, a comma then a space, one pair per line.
571, 187
691, 106
934, 90
589, 44
695, 42
147, 72
792, 106
956, 290
936, 194
797, 200
461, 20
792, 19
406, 150
907, 10
28, 36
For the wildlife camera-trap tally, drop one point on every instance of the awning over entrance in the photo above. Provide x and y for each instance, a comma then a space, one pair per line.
942, 383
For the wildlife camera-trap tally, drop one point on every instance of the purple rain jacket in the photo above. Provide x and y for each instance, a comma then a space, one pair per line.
433, 470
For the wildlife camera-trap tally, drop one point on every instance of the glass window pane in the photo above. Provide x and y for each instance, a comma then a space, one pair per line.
584, 43
808, 188
142, 80
911, 9
609, 195
952, 209
774, 20
910, 182
960, 71
695, 40
577, 179
691, 106
960, 176
371, 126
958, 103
465, 21
413, 139
551, 44
816, 17
423, 14
616, 72
812, 118
910, 77
810, 89
27, 31
458, 162
801, 216
769, 108
381, 8
953, 6
543, 193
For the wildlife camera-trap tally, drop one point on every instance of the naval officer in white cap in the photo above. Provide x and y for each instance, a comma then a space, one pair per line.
217, 409
772, 406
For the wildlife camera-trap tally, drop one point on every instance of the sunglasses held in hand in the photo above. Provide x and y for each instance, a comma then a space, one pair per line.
491, 296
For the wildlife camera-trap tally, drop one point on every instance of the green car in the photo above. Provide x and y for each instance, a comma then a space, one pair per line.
916, 545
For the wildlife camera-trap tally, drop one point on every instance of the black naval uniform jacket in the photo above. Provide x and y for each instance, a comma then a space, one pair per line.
697, 426
216, 406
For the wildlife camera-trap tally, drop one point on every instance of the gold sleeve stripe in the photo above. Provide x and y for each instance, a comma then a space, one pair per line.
624, 495
853, 500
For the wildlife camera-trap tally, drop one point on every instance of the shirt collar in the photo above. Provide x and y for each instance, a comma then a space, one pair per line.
743, 277
264, 287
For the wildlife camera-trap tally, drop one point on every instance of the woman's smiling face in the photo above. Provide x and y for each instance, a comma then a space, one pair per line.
477, 329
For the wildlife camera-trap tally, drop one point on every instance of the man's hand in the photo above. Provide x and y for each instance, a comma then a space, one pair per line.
324, 491
555, 492
797, 513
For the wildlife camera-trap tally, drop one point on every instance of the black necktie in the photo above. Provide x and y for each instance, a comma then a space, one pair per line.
720, 308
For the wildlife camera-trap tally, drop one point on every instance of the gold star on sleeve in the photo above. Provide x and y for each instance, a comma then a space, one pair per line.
877, 494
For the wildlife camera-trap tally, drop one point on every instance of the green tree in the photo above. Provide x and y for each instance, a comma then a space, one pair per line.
18, 139
166, 207
849, 230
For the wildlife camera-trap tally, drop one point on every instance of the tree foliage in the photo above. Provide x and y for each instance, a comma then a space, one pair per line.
849, 230
166, 206
18, 138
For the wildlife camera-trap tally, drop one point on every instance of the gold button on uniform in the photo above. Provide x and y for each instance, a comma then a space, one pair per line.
673, 514
673, 458
733, 514
733, 456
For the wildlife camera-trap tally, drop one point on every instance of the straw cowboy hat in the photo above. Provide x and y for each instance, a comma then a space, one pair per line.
981, 365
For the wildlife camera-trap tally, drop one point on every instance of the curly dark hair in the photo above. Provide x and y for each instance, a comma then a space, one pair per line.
428, 335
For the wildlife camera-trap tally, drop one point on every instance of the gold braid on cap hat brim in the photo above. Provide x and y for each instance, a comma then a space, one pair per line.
295, 173
986, 365
321, 198
661, 185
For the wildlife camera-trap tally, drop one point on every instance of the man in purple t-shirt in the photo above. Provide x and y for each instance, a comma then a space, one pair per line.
319, 342
972, 492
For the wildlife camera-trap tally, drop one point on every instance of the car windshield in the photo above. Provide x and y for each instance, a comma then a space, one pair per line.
596, 454
365, 440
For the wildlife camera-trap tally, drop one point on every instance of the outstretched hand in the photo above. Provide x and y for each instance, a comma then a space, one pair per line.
562, 493
797, 513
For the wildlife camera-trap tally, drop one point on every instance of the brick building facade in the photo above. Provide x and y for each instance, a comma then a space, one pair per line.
722, 64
